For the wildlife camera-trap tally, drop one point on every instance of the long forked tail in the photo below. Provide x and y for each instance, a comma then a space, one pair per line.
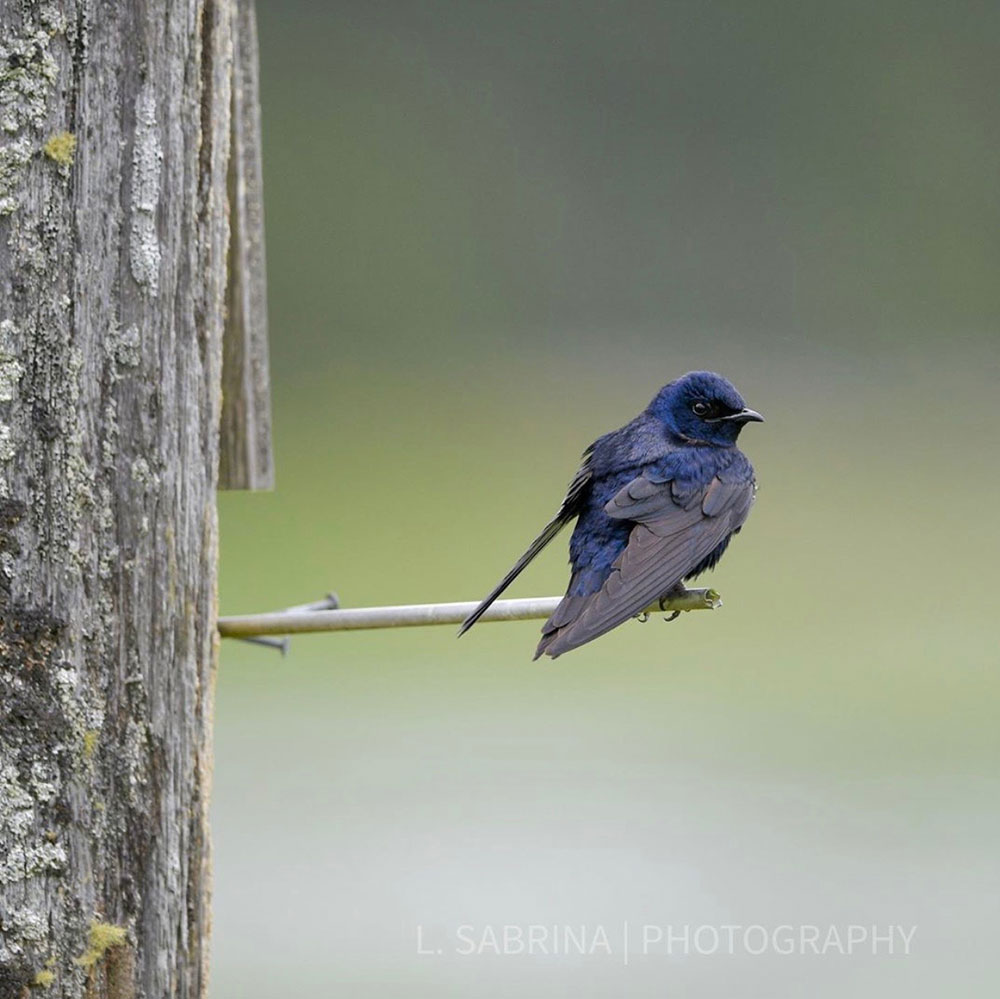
551, 529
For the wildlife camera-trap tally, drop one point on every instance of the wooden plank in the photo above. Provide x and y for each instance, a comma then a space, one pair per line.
245, 457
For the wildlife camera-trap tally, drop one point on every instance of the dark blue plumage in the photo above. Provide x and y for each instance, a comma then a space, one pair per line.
656, 502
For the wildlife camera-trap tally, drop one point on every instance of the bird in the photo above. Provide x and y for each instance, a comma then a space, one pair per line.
656, 503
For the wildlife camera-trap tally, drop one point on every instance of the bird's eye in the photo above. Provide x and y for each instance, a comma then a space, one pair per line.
700, 408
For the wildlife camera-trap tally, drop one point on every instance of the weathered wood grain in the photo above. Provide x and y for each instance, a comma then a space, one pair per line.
245, 458
114, 143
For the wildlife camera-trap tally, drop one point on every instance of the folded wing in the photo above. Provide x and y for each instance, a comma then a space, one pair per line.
677, 527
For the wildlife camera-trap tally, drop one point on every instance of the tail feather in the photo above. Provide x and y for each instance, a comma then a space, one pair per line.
550, 530
570, 608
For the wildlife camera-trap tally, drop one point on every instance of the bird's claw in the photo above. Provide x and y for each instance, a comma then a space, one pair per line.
643, 617
673, 617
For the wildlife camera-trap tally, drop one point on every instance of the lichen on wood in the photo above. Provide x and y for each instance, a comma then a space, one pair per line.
101, 937
147, 162
61, 148
28, 69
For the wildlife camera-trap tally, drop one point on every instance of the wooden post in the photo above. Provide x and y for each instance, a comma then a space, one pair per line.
115, 125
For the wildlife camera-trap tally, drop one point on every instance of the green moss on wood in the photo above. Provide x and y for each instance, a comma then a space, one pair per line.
101, 938
61, 148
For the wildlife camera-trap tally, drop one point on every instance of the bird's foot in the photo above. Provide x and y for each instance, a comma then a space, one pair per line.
643, 617
673, 617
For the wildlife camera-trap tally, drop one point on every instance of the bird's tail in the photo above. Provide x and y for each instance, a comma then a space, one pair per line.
551, 529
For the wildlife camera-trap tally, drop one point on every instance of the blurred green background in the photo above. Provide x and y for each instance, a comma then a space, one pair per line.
494, 230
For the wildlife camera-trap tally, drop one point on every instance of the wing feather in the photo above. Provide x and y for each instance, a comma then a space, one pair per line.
676, 529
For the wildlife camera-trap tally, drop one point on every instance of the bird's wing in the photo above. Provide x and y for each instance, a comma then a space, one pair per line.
570, 507
677, 526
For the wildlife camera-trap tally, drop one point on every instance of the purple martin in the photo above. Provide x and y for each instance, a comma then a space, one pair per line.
656, 503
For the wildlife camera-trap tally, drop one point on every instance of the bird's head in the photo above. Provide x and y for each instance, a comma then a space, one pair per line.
703, 406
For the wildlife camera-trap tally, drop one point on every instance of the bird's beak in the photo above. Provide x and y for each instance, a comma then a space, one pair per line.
743, 416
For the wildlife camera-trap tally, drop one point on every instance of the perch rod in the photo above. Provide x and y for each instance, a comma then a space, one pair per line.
297, 620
